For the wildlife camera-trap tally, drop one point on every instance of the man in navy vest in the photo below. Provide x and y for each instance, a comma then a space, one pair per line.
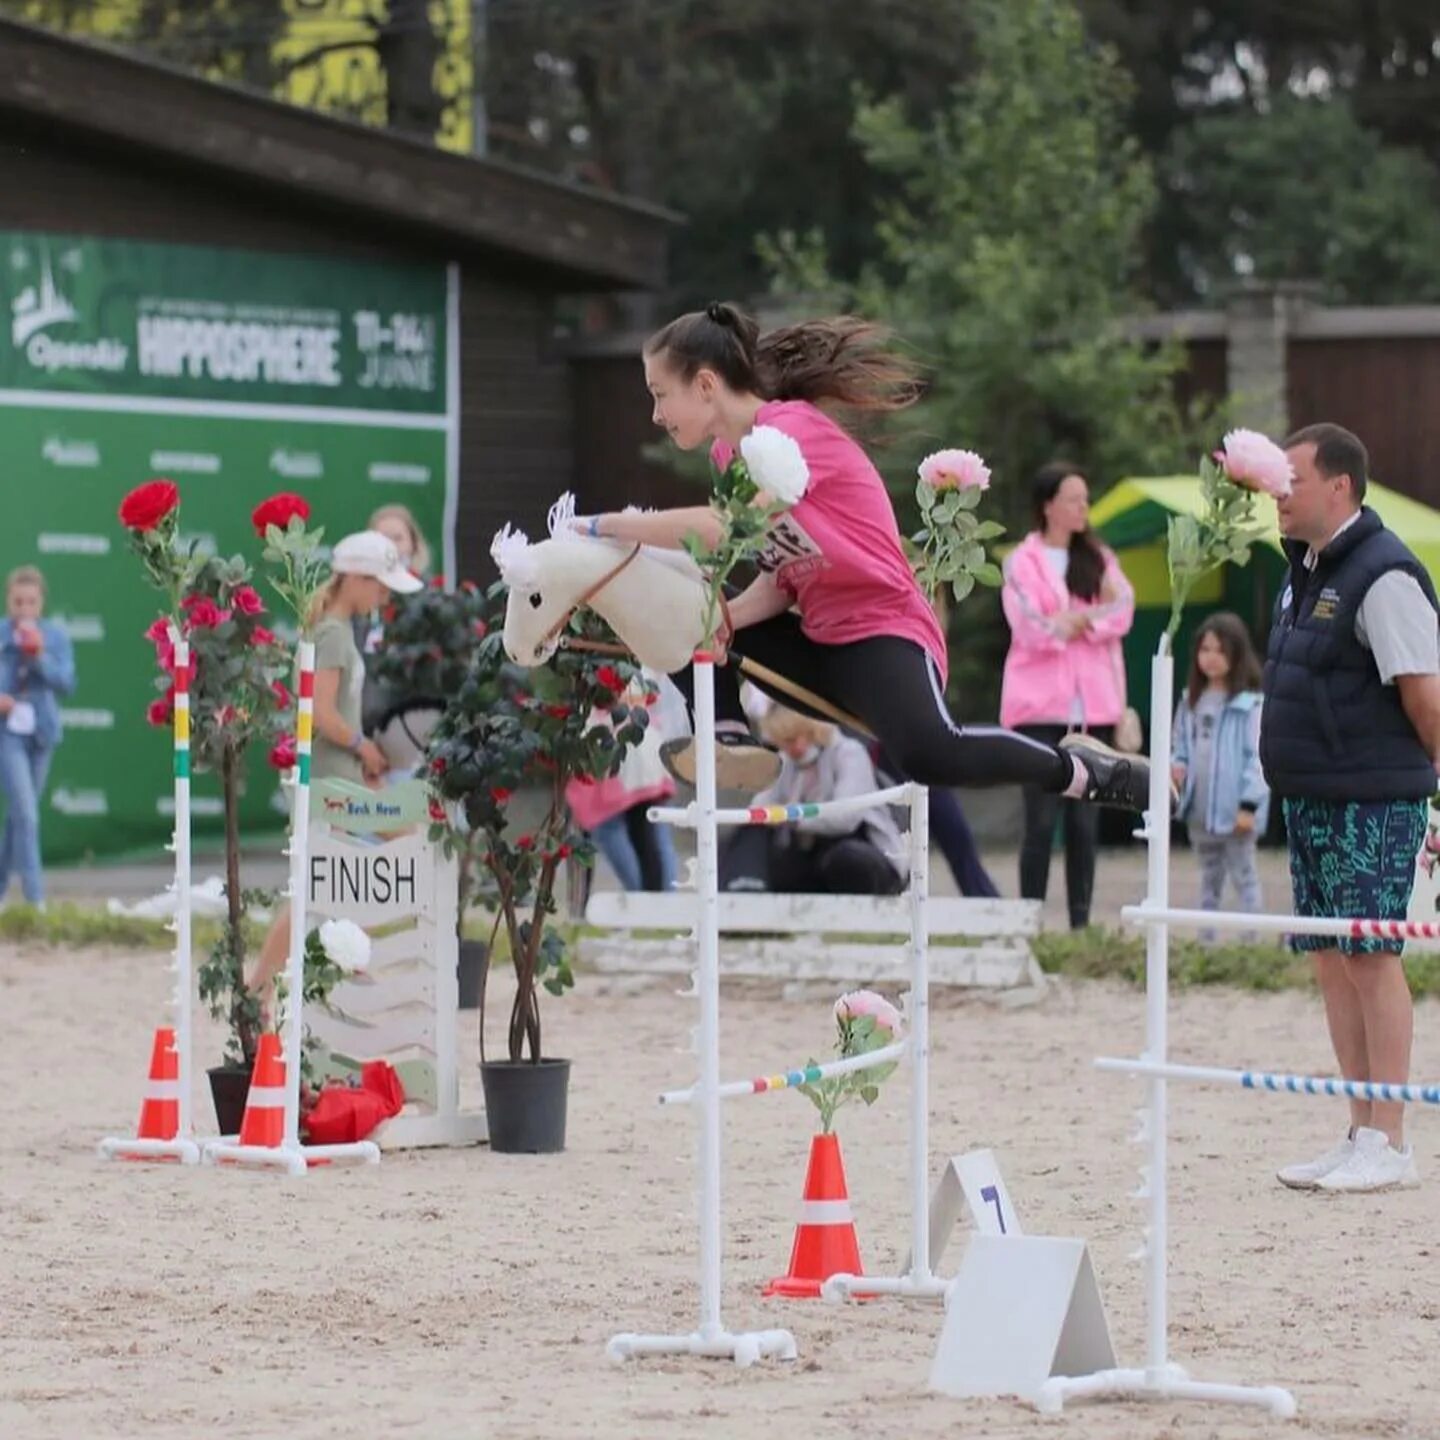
1350, 738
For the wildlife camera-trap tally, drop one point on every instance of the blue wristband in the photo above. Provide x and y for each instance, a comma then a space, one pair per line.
594, 527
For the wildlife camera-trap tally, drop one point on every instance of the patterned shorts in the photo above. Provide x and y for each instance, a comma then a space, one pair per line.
1353, 860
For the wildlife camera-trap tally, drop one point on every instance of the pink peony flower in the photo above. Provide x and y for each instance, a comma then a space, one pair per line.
247, 601
1255, 462
867, 1002
955, 470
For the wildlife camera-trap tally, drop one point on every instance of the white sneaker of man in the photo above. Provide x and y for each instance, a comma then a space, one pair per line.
1309, 1173
1373, 1164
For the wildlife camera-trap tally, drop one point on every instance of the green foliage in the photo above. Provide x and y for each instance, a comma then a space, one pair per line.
506, 729
1222, 535
857, 1035
221, 978
1009, 258
733, 495
952, 541
1302, 191
300, 570
430, 638
70, 923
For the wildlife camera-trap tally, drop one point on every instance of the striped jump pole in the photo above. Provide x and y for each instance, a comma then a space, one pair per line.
1150, 914
183, 1146
784, 814
790, 1079
1279, 1083
290, 1155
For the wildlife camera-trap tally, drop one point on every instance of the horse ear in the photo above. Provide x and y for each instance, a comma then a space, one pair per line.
510, 550
562, 512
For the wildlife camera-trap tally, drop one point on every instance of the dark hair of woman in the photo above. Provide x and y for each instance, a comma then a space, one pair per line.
1086, 571
1234, 637
843, 361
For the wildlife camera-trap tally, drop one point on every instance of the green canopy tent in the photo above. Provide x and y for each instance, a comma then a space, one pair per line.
1132, 518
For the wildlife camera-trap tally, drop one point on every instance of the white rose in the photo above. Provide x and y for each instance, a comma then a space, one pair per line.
776, 464
347, 945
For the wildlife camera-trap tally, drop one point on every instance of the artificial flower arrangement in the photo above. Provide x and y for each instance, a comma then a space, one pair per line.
1246, 465
766, 475
864, 1021
951, 540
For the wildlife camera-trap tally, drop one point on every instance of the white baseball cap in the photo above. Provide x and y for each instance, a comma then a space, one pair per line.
368, 552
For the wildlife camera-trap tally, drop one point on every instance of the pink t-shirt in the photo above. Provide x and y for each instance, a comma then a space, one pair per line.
837, 549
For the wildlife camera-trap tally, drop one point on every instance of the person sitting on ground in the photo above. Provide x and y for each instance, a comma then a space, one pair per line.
847, 854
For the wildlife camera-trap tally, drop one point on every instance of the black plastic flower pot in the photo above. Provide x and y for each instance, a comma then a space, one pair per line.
525, 1105
229, 1088
474, 960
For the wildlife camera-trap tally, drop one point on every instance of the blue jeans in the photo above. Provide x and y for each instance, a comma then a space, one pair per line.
24, 765
641, 854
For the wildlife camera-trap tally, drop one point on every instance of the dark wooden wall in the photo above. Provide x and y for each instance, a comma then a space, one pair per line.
517, 433
1387, 390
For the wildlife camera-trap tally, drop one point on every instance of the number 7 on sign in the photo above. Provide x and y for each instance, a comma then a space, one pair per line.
990, 1194
985, 1193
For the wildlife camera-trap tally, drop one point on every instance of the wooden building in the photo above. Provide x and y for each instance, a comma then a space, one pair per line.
98, 142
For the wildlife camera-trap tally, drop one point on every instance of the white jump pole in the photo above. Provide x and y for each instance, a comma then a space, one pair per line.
711, 1338
183, 1146
1160, 1379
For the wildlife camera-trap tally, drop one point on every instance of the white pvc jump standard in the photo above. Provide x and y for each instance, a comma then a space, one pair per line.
1161, 1379
290, 1155
183, 1147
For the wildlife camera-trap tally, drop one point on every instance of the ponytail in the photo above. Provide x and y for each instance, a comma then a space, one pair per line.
324, 598
843, 361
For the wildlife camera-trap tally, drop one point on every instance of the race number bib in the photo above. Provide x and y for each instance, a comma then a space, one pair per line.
787, 544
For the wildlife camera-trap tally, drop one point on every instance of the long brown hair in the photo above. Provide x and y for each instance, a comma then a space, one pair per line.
843, 361
1230, 630
1086, 572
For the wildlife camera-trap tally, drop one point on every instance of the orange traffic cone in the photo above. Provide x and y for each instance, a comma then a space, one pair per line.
264, 1122
825, 1241
160, 1109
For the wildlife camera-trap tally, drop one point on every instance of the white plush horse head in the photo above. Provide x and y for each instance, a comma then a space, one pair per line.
655, 604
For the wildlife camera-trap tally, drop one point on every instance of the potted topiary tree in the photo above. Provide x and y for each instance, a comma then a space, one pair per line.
426, 649
238, 699
502, 732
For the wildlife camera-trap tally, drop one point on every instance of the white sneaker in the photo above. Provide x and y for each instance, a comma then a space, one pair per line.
1374, 1164
1308, 1174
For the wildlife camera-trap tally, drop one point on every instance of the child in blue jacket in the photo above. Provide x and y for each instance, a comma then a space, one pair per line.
1223, 795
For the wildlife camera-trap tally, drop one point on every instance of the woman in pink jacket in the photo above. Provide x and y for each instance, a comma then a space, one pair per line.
1068, 604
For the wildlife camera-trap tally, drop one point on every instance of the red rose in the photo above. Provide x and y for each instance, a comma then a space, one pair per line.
438, 583
437, 812
563, 853
526, 842
282, 695
499, 794
278, 511
205, 614
159, 712
480, 629
159, 632
247, 602
261, 636
284, 753
388, 614
148, 504
437, 765
557, 712
609, 677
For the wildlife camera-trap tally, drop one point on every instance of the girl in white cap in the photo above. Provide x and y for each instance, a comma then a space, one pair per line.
363, 566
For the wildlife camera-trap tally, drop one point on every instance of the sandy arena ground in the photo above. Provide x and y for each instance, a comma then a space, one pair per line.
470, 1295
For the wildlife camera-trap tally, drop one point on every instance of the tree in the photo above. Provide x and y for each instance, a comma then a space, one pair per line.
1303, 191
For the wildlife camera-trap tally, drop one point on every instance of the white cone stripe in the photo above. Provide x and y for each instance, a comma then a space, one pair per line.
162, 1090
266, 1097
825, 1212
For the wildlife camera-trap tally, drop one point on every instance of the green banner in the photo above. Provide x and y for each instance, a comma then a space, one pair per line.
113, 318
77, 436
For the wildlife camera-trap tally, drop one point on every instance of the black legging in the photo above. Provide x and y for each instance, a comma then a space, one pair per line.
893, 688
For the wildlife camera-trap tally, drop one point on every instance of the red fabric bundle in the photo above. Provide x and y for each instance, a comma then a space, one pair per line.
345, 1113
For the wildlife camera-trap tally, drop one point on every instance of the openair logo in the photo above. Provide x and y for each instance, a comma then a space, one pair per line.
82, 719
40, 305
52, 542
297, 464
184, 462
396, 472
70, 454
